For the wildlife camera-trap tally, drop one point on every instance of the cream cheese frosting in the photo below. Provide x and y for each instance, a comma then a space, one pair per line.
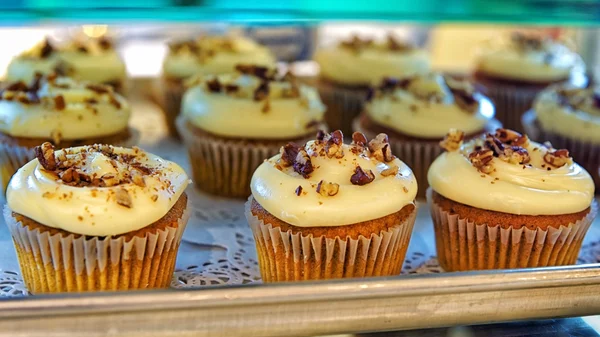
428, 106
61, 108
570, 111
214, 55
328, 183
525, 58
92, 60
254, 103
506, 172
365, 62
96, 190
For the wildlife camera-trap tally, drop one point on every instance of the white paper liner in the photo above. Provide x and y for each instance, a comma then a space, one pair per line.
343, 105
463, 244
585, 153
224, 167
55, 263
284, 256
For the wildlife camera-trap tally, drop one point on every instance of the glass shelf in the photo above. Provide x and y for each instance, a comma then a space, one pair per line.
546, 12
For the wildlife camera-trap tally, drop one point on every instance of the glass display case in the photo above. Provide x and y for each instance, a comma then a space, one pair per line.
216, 287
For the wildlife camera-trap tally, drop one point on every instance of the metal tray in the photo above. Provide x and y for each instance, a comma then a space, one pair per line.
217, 288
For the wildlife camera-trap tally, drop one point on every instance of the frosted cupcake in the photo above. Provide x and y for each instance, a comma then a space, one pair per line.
417, 113
515, 69
231, 123
351, 67
569, 117
93, 60
96, 218
504, 201
329, 210
207, 55
62, 111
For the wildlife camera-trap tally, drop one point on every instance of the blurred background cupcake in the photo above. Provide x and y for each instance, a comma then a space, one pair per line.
348, 69
62, 111
90, 59
516, 67
569, 117
207, 55
416, 114
231, 123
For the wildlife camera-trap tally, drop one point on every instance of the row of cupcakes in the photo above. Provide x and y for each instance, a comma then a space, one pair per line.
100, 217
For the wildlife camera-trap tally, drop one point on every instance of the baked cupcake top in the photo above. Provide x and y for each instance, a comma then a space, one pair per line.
214, 55
506, 172
428, 106
96, 190
255, 103
93, 60
365, 62
570, 111
57, 108
527, 58
329, 183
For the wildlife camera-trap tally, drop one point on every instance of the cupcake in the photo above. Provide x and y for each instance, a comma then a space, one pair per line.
231, 123
208, 55
351, 67
517, 68
93, 60
417, 113
96, 218
60, 110
503, 201
569, 117
329, 210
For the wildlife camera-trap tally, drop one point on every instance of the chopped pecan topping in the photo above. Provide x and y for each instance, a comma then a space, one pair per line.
511, 137
298, 190
356, 43
105, 43
453, 140
391, 170
214, 85
325, 188
45, 155
123, 198
359, 139
138, 178
463, 93
288, 153
262, 91
114, 101
98, 88
360, 177
47, 49
482, 160
303, 165
334, 145
515, 155
231, 88
557, 158
59, 102
395, 45
109, 179
380, 148
69, 176
263, 73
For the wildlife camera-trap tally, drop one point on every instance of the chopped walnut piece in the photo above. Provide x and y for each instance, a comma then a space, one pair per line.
325, 188
380, 148
69, 176
361, 177
298, 190
288, 154
109, 179
557, 158
123, 198
45, 155
59, 102
511, 137
392, 170
482, 160
262, 91
334, 145
137, 178
321, 135
453, 140
359, 139
214, 85
302, 164
515, 155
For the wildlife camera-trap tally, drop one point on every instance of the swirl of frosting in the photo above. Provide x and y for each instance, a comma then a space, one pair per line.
92, 60
95, 190
328, 183
255, 103
428, 106
60, 108
532, 59
570, 111
365, 62
214, 55
506, 172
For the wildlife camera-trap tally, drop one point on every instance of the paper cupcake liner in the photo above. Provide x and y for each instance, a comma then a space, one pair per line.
53, 263
586, 154
13, 157
343, 105
463, 244
284, 256
224, 167
173, 95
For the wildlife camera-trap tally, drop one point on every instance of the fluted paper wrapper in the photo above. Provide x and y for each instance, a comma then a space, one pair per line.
13, 157
284, 256
343, 105
53, 263
224, 167
584, 153
465, 245
171, 104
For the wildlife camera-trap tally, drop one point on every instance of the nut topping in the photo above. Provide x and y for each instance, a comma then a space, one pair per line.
334, 145
482, 160
511, 137
59, 102
288, 154
298, 190
380, 148
360, 177
392, 170
557, 158
45, 155
123, 197
453, 140
302, 164
327, 189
